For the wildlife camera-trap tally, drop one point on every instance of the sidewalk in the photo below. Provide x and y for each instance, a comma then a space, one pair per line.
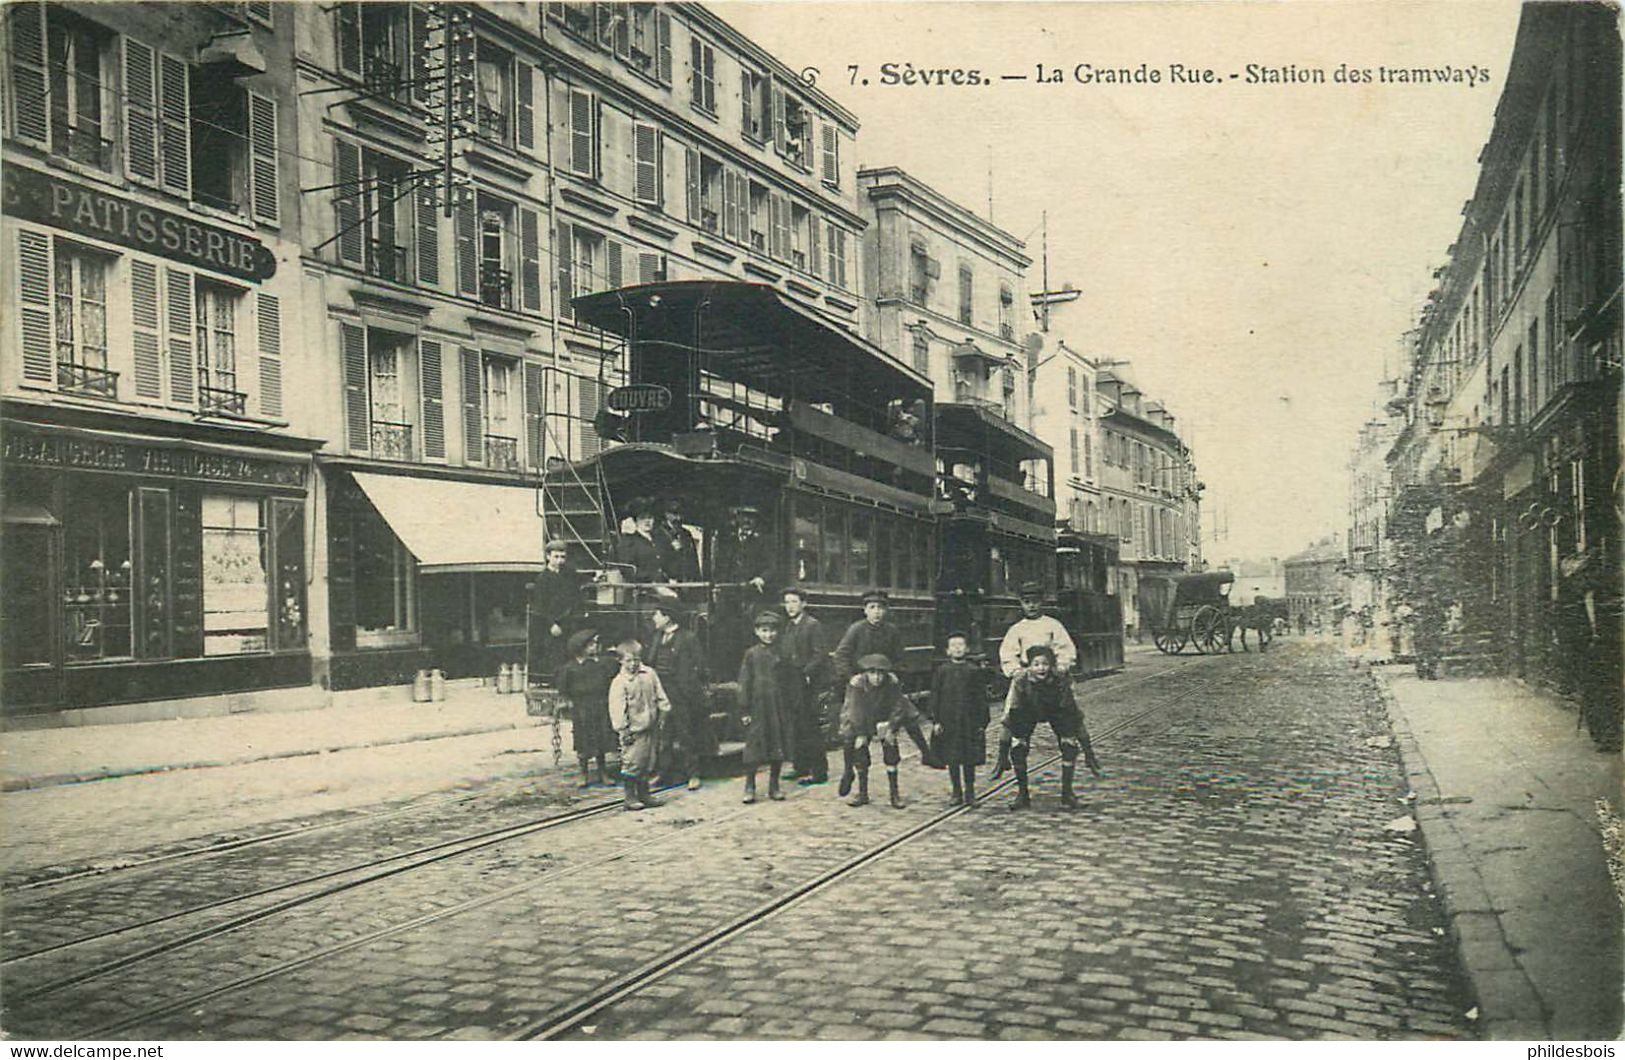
1507, 795
48, 757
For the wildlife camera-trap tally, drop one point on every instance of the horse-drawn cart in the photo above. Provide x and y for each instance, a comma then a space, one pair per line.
1192, 609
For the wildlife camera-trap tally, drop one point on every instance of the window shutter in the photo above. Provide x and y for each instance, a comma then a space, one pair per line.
178, 313
34, 308
530, 265
268, 317
781, 132
31, 117
742, 193
149, 360
175, 130
646, 148
535, 436
525, 104
357, 416
814, 263
663, 47
473, 423
745, 124
695, 92
581, 137
613, 252
347, 201
589, 400
730, 204
784, 228
423, 45
651, 267
692, 184
347, 34
468, 265
775, 230
434, 409
564, 260
262, 140
140, 111
428, 235
830, 156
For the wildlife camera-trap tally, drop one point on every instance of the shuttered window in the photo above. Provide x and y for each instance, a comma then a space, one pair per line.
663, 47
140, 111
530, 266
31, 120
583, 133
651, 267
427, 225
703, 75
535, 417
175, 128
432, 387
268, 320
34, 308
262, 142
646, 150
357, 412
468, 259
525, 105
144, 332
691, 183
347, 201
565, 272
837, 256
473, 419
829, 154
614, 263
179, 340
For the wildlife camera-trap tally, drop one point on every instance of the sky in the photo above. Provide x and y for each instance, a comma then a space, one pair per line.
1255, 250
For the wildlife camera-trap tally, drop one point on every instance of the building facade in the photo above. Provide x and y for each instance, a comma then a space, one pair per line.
1314, 583
1506, 473
1367, 550
474, 169
157, 466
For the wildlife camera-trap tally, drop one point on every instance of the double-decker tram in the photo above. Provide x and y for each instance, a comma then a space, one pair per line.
790, 451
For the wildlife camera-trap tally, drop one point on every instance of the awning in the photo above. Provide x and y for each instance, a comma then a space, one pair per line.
457, 527
22, 513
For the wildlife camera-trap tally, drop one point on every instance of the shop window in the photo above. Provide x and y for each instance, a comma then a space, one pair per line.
96, 572
236, 591
216, 307
501, 424
79, 297
499, 608
385, 585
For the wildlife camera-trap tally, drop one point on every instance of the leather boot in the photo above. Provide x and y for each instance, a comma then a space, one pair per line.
1024, 797
846, 773
773, 791
970, 786
897, 802
599, 774
862, 797
645, 797
750, 788
586, 774
958, 796
629, 796
1069, 800
1090, 760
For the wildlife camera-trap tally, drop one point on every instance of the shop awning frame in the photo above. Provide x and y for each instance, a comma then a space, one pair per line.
454, 527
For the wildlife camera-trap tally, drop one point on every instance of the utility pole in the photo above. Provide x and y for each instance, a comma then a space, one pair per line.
1044, 326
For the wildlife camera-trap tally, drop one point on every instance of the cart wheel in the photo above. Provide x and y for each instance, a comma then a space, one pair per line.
1207, 630
1165, 641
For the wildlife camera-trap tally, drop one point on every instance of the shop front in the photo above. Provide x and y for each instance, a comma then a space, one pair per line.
426, 572
140, 566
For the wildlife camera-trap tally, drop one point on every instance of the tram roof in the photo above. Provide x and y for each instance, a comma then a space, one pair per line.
752, 330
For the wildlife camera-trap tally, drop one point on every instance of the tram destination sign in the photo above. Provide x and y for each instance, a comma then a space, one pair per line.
639, 397
72, 206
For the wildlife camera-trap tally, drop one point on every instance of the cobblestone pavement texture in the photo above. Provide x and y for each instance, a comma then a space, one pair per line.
1231, 876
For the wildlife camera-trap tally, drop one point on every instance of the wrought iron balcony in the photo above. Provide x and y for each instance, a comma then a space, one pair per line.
386, 261
84, 379
492, 123
391, 441
382, 75
502, 452
220, 399
496, 287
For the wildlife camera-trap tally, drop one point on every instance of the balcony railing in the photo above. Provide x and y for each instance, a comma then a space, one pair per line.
221, 399
382, 76
82, 143
391, 441
496, 287
493, 124
502, 452
84, 379
386, 261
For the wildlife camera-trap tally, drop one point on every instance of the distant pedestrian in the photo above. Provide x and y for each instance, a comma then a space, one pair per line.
875, 708
768, 697
959, 707
1041, 695
802, 645
676, 655
637, 704
584, 682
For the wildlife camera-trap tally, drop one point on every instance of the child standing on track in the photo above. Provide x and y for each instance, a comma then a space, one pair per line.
585, 681
959, 705
768, 696
636, 705
1040, 694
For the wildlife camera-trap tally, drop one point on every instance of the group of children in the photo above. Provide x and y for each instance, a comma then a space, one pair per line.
774, 700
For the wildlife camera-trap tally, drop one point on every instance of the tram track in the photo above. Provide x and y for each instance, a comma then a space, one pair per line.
572, 1013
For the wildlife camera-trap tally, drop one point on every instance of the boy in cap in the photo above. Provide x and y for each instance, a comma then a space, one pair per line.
636, 703
676, 656
1034, 628
555, 609
584, 682
870, 635
875, 707
959, 707
767, 702
1040, 693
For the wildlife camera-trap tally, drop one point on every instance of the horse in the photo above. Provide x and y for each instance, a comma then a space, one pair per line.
1259, 616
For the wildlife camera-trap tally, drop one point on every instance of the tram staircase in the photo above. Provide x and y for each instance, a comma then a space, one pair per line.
575, 512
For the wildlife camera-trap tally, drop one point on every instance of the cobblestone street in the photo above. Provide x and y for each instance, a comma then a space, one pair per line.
1231, 875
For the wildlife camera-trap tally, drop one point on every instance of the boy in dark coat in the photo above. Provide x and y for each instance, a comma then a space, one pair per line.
675, 653
767, 702
959, 706
555, 610
584, 682
802, 645
875, 707
1041, 694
